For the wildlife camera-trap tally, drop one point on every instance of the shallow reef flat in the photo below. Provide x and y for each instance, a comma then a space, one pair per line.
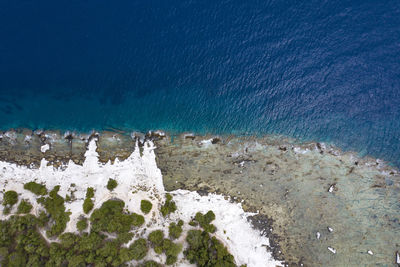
319, 206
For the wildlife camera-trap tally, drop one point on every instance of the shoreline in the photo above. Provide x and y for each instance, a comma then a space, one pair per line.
23, 138
301, 190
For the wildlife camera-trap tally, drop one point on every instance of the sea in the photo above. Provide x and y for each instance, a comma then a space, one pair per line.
325, 71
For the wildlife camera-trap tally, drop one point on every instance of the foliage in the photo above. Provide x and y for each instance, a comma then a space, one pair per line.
88, 202
43, 219
87, 205
82, 224
171, 250
137, 220
204, 221
54, 205
111, 184
175, 230
89, 192
111, 218
37, 189
156, 239
10, 198
24, 207
193, 223
21, 243
145, 206
161, 245
150, 264
204, 250
169, 206
125, 237
138, 249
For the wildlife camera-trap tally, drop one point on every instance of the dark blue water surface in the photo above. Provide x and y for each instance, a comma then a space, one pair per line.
315, 70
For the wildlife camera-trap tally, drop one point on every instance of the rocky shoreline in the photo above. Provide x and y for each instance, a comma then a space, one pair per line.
318, 205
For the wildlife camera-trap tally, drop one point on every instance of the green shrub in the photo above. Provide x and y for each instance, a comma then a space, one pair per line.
145, 206
43, 219
21, 244
10, 198
156, 239
125, 237
89, 242
82, 224
169, 206
150, 264
111, 184
138, 249
109, 252
204, 250
68, 198
161, 245
110, 217
171, 250
76, 261
6, 210
37, 189
137, 220
89, 192
24, 207
54, 205
87, 205
17, 259
88, 202
204, 221
175, 230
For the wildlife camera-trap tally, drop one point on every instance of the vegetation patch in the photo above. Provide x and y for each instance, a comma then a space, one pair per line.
111, 184
37, 189
110, 217
205, 221
156, 239
89, 192
150, 264
138, 249
24, 207
171, 250
145, 206
87, 205
204, 250
103, 241
82, 224
175, 230
161, 244
169, 206
54, 205
21, 244
9, 199
88, 202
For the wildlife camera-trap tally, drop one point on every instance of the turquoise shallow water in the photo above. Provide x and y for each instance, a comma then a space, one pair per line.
315, 71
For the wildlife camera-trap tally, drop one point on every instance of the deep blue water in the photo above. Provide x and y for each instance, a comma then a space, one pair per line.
315, 70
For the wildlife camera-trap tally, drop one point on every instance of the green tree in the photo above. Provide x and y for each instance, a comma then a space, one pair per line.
10, 198
169, 206
175, 230
54, 205
24, 207
145, 206
111, 184
37, 189
82, 224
